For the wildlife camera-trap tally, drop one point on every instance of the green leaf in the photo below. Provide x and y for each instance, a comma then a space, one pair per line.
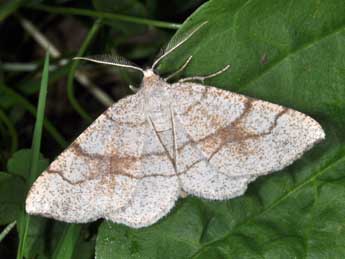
176, 236
286, 52
13, 186
19, 163
12, 195
85, 246
12, 192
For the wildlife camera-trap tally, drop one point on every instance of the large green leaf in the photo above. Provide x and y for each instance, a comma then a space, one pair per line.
19, 163
284, 51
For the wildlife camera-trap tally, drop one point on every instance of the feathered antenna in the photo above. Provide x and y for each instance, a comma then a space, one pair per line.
111, 60
175, 43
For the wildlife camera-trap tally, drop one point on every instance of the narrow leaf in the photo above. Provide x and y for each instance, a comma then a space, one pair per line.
36, 144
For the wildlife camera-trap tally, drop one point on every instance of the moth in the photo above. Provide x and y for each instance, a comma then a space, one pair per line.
135, 160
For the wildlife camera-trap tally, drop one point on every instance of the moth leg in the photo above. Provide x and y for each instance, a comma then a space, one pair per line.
179, 70
202, 78
183, 194
133, 88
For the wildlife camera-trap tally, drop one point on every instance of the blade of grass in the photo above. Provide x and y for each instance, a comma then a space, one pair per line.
70, 86
37, 137
7, 230
66, 244
20, 100
11, 130
105, 15
36, 144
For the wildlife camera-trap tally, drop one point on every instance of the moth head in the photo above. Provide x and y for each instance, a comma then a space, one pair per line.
149, 73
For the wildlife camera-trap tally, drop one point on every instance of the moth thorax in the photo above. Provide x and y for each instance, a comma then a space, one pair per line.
158, 106
156, 95
161, 120
152, 80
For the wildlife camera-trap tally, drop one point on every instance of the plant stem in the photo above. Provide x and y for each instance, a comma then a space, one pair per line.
70, 86
105, 15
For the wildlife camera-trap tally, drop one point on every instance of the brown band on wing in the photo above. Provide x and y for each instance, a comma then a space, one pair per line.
235, 133
231, 133
77, 149
190, 108
117, 173
228, 134
274, 124
127, 123
60, 173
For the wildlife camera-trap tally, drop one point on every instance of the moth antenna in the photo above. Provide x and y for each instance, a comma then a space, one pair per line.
203, 78
180, 69
175, 43
111, 60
